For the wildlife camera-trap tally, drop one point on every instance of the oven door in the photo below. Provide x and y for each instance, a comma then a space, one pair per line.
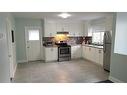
64, 50
64, 53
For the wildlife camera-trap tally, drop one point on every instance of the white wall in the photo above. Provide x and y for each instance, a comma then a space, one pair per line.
11, 46
121, 34
118, 67
4, 62
20, 35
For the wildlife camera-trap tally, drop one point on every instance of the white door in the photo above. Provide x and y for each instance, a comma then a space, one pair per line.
33, 44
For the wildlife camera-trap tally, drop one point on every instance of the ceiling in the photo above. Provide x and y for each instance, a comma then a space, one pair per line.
53, 15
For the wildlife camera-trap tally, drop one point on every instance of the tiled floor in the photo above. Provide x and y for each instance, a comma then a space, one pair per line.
75, 71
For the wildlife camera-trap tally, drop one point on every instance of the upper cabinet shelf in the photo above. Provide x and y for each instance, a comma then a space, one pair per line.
76, 28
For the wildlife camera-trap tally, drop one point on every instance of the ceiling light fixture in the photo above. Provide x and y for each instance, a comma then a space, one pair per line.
64, 15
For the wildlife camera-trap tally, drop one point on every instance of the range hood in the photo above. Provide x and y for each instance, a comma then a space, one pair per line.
62, 32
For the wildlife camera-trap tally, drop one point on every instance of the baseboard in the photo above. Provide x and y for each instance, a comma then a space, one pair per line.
115, 80
48, 61
21, 61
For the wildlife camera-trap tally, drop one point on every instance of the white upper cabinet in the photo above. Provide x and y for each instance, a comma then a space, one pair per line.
49, 29
109, 23
86, 28
62, 26
59, 27
93, 54
52, 27
76, 29
65, 27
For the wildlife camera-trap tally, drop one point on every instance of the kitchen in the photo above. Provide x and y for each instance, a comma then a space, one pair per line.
88, 46
64, 47
63, 40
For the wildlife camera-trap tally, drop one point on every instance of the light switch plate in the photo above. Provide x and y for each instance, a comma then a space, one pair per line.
2, 36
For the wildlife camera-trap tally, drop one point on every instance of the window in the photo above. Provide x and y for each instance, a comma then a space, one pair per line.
33, 34
97, 33
97, 37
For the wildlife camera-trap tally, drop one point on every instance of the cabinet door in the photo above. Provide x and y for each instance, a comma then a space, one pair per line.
71, 29
62, 26
59, 27
51, 54
91, 53
101, 56
83, 51
109, 22
76, 51
85, 28
79, 29
73, 52
50, 29
54, 53
97, 59
87, 53
65, 27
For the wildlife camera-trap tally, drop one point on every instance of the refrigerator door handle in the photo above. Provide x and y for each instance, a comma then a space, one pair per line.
104, 41
104, 48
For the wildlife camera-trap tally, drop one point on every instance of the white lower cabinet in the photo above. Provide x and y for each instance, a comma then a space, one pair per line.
93, 54
88, 53
76, 51
83, 51
51, 54
101, 56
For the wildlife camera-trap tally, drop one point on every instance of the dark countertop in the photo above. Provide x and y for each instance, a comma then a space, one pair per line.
88, 45
94, 46
57, 46
51, 46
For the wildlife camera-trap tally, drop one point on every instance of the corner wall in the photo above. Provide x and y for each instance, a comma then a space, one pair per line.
118, 67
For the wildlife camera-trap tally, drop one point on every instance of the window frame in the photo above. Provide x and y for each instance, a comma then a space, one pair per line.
29, 30
101, 30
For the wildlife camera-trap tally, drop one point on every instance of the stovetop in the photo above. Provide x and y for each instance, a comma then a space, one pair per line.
62, 45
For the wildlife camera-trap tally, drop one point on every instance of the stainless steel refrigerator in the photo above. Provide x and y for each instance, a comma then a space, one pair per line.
107, 50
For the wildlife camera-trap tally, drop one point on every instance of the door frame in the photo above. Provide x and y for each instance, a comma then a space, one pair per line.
40, 36
10, 47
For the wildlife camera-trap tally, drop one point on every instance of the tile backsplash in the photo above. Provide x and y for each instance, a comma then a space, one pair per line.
71, 40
